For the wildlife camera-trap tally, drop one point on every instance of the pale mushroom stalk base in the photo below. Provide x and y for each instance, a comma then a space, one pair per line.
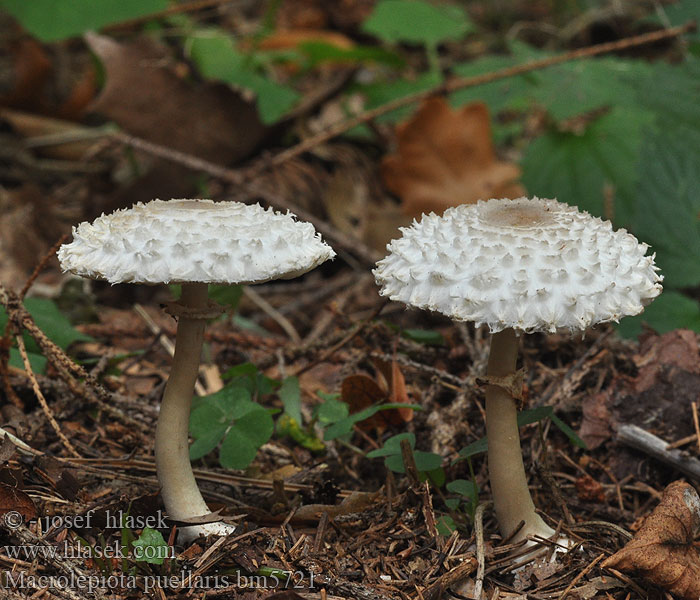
181, 495
511, 496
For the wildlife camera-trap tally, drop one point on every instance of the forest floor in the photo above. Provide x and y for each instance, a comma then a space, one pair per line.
316, 517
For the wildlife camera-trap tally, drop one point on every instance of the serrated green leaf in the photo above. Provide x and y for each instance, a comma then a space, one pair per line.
576, 168
417, 22
51, 20
672, 310
150, 547
216, 58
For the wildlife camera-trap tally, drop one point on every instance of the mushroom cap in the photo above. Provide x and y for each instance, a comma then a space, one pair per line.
181, 241
530, 264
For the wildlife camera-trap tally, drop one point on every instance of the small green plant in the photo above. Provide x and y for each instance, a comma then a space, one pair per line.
52, 322
151, 548
427, 463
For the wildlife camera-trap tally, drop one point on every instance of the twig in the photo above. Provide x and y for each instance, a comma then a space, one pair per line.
350, 244
40, 267
21, 445
463, 83
409, 462
696, 422
37, 392
273, 313
646, 442
480, 552
452, 577
581, 575
165, 341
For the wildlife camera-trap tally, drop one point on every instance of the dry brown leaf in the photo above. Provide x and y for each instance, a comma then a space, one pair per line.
13, 500
149, 99
662, 551
284, 40
445, 157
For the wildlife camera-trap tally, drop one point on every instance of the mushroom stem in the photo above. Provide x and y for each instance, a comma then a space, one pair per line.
181, 495
511, 496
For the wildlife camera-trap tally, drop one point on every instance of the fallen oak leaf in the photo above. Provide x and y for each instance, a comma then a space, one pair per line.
445, 158
662, 551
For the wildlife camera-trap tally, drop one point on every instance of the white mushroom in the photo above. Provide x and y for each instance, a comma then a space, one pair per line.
520, 265
194, 243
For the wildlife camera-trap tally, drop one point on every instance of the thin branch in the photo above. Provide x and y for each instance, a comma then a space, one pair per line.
461, 83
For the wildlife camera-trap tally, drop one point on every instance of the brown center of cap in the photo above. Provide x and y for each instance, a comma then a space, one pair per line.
517, 214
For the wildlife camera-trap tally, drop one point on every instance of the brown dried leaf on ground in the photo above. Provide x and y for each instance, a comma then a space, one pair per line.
445, 157
662, 551
149, 99
669, 353
14, 502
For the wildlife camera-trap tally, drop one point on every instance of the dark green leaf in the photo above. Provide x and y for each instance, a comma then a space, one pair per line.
669, 311
52, 322
478, 447
216, 58
382, 92
446, 525
36, 361
427, 461
345, 425
226, 295
575, 168
393, 445
207, 441
424, 336
464, 487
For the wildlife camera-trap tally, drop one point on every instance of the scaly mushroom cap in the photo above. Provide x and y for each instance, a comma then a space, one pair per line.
529, 264
181, 241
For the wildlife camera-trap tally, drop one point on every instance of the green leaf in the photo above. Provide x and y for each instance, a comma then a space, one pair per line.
437, 477
381, 92
668, 190
320, 52
290, 394
150, 547
246, 435
216, 58
478, 447
417, 22
51, 20
446, 525
533, 415
52, 322
568, 432
464, 487
575, 168
227, 295
669, 311
393, 445
36, 361
332, 410
207, 441
424, 336
344, 426
427, 461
